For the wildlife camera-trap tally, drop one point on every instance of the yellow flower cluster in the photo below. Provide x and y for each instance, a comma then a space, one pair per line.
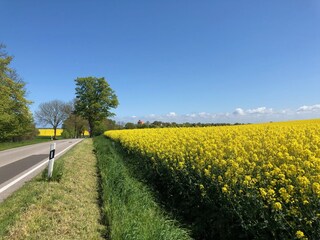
274, 166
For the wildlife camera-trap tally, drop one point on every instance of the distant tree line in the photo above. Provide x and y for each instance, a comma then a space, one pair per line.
160, 124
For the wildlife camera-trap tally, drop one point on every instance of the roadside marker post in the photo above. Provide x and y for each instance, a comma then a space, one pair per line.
51, 159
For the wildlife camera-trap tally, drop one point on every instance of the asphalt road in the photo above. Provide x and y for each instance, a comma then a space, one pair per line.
19, 165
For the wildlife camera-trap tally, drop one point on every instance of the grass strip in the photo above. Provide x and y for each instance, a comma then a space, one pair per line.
9, 145
67, 209
128, 204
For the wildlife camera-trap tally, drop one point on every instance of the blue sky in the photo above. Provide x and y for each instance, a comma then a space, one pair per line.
181, 60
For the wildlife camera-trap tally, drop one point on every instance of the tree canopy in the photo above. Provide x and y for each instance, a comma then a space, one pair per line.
16, 121
94, 100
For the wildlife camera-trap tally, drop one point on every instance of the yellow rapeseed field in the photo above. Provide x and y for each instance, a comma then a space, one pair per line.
272, 169
48, 132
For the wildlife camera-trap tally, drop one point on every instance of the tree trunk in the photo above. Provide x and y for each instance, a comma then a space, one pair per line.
54, 133
91, 126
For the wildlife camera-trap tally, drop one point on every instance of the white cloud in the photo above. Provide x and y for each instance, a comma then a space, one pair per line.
312, 108
286, 111
171, 114
191, 115
260, 110
206, 115
239, 112
253, 115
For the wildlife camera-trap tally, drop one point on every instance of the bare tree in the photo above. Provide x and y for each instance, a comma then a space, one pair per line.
53, 113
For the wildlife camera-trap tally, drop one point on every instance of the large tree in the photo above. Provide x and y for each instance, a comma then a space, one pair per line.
16, 121
53, 113
94, 100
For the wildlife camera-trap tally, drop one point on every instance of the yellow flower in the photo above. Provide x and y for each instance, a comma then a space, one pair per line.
299, 234
303, 181
277, 206
207, 172
284, 194
225, 188
263, 192
316, 188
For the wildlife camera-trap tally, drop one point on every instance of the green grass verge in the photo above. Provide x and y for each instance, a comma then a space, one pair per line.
9, 145
128, 204
67, 209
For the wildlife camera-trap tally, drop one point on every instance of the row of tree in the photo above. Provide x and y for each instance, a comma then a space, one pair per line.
89, 111
160, 124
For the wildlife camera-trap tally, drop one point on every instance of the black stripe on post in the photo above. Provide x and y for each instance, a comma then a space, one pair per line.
51, 154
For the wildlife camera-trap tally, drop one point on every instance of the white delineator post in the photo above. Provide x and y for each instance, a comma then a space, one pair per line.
51, 159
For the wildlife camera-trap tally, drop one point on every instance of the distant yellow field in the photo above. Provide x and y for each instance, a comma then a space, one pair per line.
48, 132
